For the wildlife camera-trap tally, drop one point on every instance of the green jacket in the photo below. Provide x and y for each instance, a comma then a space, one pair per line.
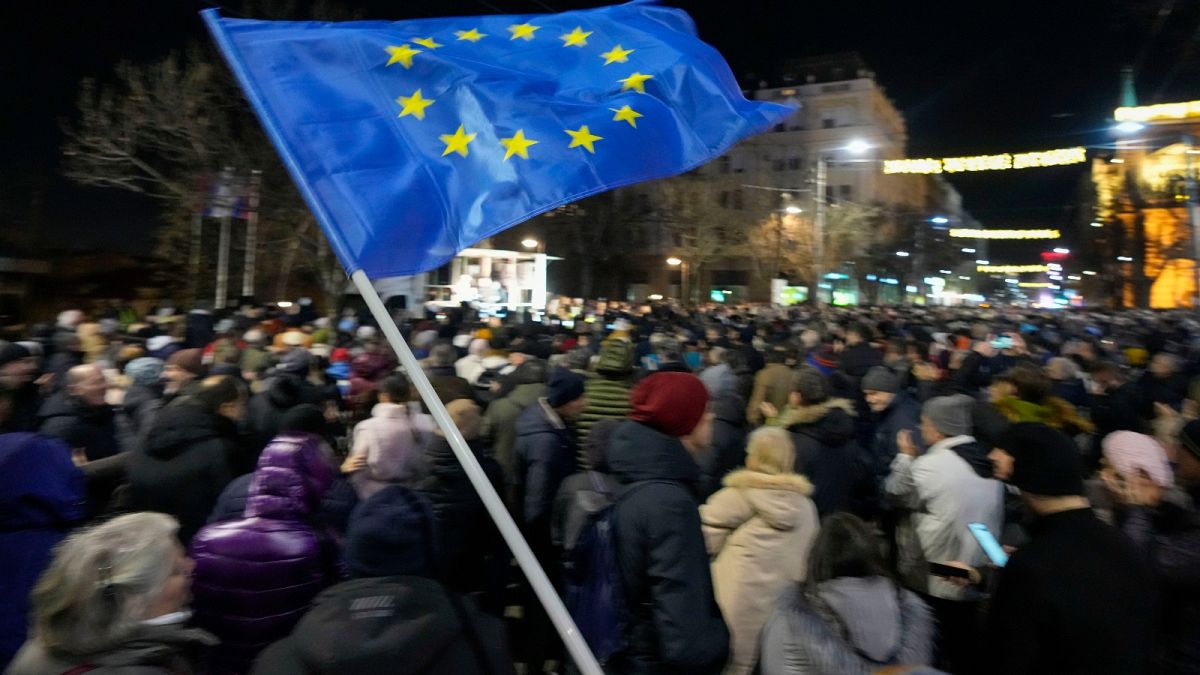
607, 399
500, 424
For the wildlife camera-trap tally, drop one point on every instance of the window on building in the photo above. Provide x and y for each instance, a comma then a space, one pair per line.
724, 164
846, 192
793, 164
779, 164
723, 199
828, 123
779, 127
738, 202
830, 195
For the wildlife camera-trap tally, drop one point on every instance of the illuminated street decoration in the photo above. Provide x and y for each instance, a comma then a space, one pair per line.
1012, 269
1036, 284
1003, 162
1005, 234
1158, 113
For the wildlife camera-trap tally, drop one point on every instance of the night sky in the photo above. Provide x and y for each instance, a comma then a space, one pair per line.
971, 77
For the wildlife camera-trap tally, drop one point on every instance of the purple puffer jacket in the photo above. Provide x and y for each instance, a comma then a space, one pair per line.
257, 576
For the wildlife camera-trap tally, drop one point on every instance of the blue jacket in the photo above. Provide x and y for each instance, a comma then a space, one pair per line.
42, 497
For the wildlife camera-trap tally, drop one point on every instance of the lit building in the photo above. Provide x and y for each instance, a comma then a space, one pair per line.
1146, 208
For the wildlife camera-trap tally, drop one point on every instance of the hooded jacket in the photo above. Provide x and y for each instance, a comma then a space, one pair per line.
727, 447
41, 498
759, 528
390, 624
183, 465
675, 625
826, 452
855, 626
255, 577
772, 384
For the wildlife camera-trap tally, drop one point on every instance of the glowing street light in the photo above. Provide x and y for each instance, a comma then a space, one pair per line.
857, 146
1062, 251
939, 220
1095, 224
529, 243
1129, 127
794, 210
674, 262
902, 254
968, 250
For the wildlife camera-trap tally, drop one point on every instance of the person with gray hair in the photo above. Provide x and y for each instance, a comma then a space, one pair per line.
942, 491
443, 375
114, 600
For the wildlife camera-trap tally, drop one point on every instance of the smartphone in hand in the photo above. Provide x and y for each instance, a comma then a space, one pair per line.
938, 569
993, 549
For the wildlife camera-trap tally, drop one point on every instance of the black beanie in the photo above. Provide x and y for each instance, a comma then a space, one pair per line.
11, 351
563, 387
391, 534
305, 417
1045, 460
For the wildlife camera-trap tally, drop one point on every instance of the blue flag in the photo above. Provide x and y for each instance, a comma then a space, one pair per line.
412, 140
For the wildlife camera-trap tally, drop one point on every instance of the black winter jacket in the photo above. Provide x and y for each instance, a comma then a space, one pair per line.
546, 455
184, 465
472, 555
826, 452
390, 625
675, 625
1077, 599
93, 428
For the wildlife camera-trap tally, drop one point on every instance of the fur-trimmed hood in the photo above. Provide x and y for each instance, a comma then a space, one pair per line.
775, 498
810, 414
745, 478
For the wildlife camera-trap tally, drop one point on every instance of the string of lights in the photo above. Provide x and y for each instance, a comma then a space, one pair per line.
1001, 162
1005, 234
1012, 269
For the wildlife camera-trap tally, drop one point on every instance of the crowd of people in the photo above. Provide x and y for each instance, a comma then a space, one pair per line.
712, 490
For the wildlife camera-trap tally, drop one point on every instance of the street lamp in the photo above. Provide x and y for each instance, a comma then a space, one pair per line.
939, 220
674, 262
529, 243
794, 210
857, 146
1129, 127
683, 277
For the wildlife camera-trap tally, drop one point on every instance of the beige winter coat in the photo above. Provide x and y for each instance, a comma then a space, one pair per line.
759, 529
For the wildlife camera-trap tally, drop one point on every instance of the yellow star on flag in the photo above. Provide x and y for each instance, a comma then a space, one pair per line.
426, 42
635, 82
616, 55
523, 31
415, 105
517, 145
576, 38
402, 55
583, 137
624, 114
456, 142
472, 35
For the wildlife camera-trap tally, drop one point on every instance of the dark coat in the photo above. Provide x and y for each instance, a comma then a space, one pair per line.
826, 452
449, 386
198, 329
546, 454
855, 361
390, 624
1077, 599
675, 625
1169, 538
151, 650
903, 413
41, 498
27, 401
183, 465
266, 409
93, 428
472, 555
255, 576
1118, 410
727, 451
1170, 391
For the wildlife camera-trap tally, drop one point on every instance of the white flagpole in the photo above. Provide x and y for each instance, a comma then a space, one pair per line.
576, 645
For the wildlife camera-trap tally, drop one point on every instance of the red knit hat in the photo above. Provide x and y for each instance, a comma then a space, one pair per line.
671, 402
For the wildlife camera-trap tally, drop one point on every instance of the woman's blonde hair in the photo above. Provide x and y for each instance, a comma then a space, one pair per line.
770, 450
102, 582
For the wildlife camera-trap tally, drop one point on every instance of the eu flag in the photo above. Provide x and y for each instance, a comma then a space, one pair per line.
412, 140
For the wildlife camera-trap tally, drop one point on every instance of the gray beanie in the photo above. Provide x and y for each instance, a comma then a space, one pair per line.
950, 415
881, 378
